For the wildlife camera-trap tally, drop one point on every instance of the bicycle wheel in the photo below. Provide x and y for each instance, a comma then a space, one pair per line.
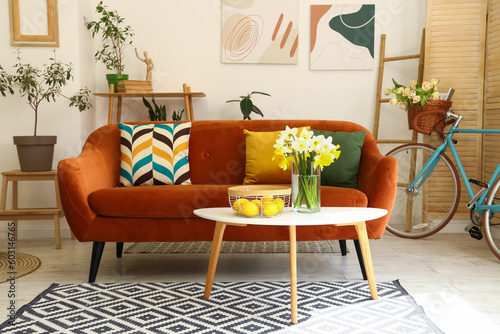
429, 208
491, 221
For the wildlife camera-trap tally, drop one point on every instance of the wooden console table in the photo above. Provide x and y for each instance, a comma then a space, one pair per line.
31, 213
186, 94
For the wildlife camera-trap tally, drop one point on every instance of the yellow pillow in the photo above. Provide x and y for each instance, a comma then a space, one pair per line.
260, 167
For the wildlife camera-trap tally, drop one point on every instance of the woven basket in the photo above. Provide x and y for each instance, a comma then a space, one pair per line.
429, 122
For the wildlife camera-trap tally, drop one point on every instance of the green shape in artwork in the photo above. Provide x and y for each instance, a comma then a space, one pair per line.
358, 28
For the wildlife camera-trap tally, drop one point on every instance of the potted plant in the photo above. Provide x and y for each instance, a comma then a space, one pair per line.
159, 113
38, 85
114, 38
247, 106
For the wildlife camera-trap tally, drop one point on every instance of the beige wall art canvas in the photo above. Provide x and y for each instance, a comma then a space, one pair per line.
260, 31
342, 37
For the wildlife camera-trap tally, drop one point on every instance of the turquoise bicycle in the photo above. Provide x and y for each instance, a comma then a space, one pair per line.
428, 191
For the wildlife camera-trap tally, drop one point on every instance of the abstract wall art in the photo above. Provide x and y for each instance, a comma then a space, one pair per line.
260, 31
342, 37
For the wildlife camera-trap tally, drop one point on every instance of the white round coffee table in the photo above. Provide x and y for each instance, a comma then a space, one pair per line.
341, 216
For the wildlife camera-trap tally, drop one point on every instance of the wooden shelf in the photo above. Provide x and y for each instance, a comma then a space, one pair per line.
186, 94
153, 94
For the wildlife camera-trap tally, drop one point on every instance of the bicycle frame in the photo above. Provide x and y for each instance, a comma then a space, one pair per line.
433, 160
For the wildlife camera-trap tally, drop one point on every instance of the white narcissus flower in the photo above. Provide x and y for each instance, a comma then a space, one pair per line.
413, 84
387, 91
393, 101
317, 141
416, 99
434, 82
406, 91
306, 134
300, 145
427, 86
402, 106
435, 95
289, 132
400, 90
412, 94
282, 146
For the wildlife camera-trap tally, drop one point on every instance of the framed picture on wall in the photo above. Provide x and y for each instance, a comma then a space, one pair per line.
260, 31
342, 37
33, 23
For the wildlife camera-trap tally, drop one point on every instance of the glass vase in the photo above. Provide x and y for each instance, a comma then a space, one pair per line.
306, 188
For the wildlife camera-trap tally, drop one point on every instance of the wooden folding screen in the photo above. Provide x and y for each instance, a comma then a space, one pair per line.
491, 147
454, 53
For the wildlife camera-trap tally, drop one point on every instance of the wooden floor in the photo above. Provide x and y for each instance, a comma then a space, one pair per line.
455, 278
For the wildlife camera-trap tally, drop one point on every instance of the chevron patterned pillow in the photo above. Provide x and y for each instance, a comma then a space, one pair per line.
154, 154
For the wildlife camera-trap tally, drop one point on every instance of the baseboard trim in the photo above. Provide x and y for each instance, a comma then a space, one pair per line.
36, 230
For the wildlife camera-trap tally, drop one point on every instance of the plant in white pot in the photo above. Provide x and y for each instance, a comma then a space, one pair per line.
115, 36
38, 85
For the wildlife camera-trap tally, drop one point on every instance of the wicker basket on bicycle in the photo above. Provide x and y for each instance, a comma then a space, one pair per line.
429, 122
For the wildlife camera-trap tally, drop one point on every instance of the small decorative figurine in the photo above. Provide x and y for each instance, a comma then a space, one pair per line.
149, 64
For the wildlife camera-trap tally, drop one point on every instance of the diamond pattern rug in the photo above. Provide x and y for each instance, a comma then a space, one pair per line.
320, 246
234, 307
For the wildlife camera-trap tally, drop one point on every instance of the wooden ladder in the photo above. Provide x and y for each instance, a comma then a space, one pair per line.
380, 100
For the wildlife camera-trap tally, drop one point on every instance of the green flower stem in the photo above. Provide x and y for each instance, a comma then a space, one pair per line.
307, 191
307, 182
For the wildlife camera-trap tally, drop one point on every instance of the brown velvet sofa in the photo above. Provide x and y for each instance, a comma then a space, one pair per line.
99, 211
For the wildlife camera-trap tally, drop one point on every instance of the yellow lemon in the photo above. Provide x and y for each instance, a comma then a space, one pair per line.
269, 209
250, 209
238, 203
280, 204
267, 199
258, 203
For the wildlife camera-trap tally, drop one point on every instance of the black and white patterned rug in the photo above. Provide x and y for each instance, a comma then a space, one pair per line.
319, 246
234, 307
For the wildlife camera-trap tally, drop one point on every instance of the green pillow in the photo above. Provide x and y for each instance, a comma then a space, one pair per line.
344, 171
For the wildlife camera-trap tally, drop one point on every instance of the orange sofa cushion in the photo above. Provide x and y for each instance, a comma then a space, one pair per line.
180, 201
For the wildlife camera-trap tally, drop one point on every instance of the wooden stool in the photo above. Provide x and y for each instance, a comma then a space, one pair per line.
31, 213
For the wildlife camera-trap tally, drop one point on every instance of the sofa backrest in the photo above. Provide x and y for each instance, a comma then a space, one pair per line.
217, 148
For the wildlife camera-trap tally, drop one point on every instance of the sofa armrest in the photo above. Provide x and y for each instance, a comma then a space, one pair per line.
78, 177
377, 179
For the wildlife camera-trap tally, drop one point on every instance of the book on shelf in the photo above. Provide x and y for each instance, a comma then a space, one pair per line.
135, 91
132, 86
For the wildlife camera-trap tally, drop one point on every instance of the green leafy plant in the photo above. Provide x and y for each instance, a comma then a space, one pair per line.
156, 113
247, 106
177, 116
45, 84
114, 37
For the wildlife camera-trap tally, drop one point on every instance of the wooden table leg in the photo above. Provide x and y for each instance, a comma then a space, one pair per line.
214, 257
293, 272
367, 257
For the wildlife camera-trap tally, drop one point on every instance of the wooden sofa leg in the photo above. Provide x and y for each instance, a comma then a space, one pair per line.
119, 249
343, 247
95, 260
360, 258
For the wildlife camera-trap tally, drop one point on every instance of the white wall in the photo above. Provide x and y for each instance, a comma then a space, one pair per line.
17, 118
183, 38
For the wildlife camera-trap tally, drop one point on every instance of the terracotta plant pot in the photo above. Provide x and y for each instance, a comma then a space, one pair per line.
114, 78
35, 152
